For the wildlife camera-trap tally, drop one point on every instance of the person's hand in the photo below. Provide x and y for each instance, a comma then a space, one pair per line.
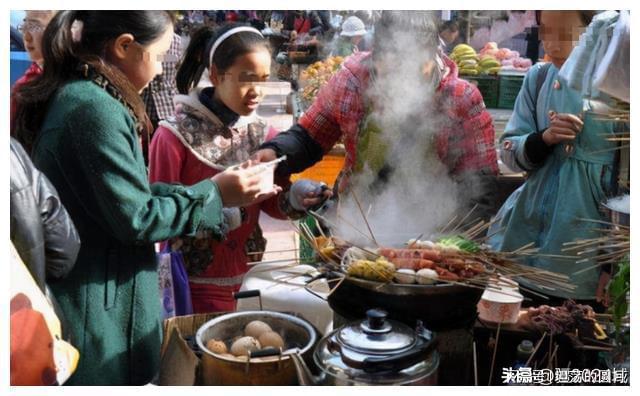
305, 194
264, 155
563, 128
602, 294
240, 185
293, 35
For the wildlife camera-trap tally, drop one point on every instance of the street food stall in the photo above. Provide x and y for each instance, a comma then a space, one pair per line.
439, 310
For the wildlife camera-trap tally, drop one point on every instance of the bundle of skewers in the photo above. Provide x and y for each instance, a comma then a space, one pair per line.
610, 247
457, 257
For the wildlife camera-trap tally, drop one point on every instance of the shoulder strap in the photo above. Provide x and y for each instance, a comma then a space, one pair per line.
542, 75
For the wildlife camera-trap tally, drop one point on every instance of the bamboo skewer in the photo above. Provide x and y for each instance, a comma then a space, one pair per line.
415, 241
552, 357
535, 350
318, 226
355, 228
274, 251
332, 224
364, 217
495, 350
475, 364
476, 230
284, 260
604, 222
464, 218
443, 229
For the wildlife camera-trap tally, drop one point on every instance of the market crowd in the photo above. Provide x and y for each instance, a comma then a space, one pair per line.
137, 128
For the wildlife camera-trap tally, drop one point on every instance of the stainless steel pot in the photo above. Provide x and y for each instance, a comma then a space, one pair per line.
216, 369
376, 351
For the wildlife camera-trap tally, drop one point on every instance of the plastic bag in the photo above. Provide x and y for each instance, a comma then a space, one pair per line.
174, 283
613, 75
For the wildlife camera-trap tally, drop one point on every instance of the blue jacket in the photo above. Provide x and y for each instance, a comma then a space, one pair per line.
563, 186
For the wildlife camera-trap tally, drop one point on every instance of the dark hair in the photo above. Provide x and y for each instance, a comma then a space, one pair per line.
196, 57
422, 23
585, 15
451, 26
63, 58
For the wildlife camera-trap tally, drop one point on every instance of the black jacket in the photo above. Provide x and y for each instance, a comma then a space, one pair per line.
41, 229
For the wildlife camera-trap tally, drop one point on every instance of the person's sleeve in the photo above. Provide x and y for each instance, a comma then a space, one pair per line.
519, 150
301, 149
61, 240
320, 126
332, 112
316, 24
478, 129
108, 153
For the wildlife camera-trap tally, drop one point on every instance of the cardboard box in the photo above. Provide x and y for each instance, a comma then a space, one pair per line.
179, 365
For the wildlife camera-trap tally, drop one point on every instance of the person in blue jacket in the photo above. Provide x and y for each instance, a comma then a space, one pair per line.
570, 166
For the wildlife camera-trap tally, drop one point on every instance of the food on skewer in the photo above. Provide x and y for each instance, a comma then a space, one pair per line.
405, 276
379, 270
427, 276
567, 318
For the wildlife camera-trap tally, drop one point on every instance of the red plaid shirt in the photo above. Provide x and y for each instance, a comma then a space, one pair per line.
465, 144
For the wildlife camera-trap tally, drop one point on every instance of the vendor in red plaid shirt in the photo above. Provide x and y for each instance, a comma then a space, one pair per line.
465, 143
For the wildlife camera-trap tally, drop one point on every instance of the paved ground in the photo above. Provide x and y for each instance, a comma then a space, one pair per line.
280, 235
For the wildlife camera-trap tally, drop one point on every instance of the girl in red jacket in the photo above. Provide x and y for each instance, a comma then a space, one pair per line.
214, 128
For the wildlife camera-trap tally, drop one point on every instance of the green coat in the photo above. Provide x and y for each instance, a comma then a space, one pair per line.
90, 151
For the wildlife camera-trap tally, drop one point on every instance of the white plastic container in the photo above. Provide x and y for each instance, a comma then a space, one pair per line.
266, 172
502, 305
266, 179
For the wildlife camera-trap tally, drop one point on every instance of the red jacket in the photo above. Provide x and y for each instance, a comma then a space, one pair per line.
171, 161
32, 72
467, 143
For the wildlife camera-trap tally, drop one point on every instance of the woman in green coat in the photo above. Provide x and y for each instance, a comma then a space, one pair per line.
83, 119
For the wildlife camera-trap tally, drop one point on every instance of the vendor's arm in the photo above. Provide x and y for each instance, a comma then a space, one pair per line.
522, 147
476, 164
320, 127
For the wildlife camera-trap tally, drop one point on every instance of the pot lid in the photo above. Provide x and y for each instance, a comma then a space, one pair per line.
378, 351
377, 335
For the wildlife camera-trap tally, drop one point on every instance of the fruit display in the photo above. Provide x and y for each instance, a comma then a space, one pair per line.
489, 60
509, 60
317, 74
471, 64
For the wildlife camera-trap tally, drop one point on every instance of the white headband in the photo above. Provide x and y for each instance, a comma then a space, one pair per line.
226, 35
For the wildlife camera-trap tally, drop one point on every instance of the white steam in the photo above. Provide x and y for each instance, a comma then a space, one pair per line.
419, 197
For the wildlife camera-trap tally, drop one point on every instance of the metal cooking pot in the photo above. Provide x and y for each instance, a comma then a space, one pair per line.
441, 307
376, 351
297, 333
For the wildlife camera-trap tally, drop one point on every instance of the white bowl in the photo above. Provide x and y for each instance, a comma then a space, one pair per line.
501, 306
